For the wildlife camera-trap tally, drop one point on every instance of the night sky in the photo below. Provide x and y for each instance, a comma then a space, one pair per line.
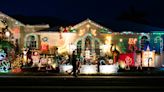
107, 12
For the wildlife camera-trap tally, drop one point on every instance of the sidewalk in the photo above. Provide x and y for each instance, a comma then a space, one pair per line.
132, 72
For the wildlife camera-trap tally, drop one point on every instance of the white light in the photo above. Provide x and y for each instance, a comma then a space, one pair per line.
88, 69
7, 34
105, 47
108, 69
122, 64
121, 40
88, 26
72, 48
66, 68
54, 66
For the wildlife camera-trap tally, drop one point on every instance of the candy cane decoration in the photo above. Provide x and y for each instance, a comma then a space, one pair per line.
5, 65
102, 62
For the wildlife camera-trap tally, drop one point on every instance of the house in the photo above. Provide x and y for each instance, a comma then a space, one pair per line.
87, 38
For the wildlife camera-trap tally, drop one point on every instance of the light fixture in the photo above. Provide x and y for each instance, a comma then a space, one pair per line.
88, 26
121, 40
7, 34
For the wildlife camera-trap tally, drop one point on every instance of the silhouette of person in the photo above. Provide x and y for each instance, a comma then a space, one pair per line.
74, 56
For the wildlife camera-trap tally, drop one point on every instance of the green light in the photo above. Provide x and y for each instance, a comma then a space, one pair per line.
90, 34
73, 30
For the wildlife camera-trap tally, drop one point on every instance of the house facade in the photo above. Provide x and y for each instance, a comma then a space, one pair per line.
88, 38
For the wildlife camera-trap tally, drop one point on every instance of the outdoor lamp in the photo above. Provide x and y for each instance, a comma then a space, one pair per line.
7, 34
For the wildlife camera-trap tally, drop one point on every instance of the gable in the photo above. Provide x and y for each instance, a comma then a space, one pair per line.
91, 25
10, 20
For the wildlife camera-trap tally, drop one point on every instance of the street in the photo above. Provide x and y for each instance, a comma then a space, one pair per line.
122, 81
82, 83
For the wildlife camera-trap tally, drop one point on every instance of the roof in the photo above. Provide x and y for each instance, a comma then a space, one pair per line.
11, 18
53, 29
41, 20
88, 21
134, 27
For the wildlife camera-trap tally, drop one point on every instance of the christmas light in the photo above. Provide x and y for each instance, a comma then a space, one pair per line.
108, 69
121, 40
88, 69
7, 33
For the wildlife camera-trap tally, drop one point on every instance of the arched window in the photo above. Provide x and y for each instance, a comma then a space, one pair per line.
158, 44
144, 41
31, 42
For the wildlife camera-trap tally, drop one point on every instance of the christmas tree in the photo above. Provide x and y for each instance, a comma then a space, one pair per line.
16, 65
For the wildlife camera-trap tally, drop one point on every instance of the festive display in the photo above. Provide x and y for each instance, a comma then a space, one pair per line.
25, 56
148, 58
35, 58
65, 68
98, 49
88, 69
109, 69
16, 65
4, 62
127, 59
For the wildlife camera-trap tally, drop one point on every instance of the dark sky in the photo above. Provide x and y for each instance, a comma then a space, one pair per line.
104, 11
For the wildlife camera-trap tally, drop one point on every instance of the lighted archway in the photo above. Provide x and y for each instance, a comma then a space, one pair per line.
158, 44
143, 39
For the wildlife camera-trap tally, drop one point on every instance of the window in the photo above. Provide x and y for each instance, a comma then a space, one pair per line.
158, 44
144, 41
31, 42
